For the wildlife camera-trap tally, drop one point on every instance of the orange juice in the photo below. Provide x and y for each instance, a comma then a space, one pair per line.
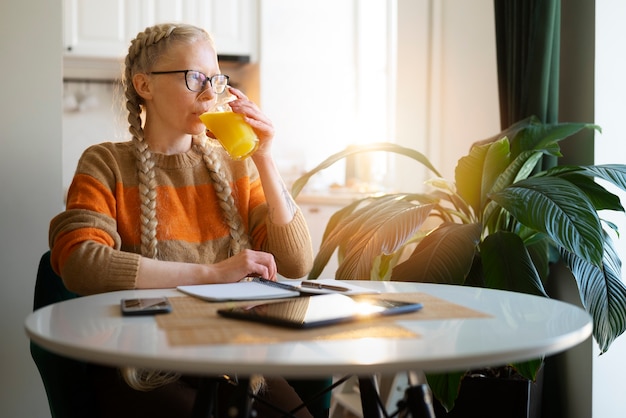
235, 135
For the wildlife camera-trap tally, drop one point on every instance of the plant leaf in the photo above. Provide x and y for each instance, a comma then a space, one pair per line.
384, 224
476, 172
383, 265
511, 131
613, 173
519, 169
539, 251
345, 224
445, 387
383, 232
600, 198
602, 293
507, 264
559, 209
529, 369
531, 134
542, 136
444, 256
299, 184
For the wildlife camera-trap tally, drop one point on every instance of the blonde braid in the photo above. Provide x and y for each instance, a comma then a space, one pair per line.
140, 59
145, 163
239, 236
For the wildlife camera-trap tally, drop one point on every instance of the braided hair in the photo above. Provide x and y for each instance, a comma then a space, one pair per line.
143, 53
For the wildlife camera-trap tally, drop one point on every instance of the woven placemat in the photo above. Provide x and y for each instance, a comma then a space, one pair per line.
195, 322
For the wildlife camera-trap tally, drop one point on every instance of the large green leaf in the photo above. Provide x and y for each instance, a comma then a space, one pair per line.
443, 256
540, 252
385, 232
383, 266
338, 217
507, 264
347, 222
510, 132
539, 136
559, 209
445, 387
476, 173
600, 198
529, 369
602, 293
519, 169
299, 184
380, 227
612, 173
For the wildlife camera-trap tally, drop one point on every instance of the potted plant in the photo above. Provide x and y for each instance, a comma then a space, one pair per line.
500, 225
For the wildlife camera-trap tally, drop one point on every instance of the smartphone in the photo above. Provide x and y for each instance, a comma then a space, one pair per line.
146, 306
319, 310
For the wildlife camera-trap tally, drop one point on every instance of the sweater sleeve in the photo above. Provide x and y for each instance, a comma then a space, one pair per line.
86, 248
87, 257
290, 243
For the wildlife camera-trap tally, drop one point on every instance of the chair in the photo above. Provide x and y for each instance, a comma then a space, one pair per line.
65, 380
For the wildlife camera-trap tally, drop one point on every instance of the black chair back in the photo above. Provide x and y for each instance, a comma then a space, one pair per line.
65, 380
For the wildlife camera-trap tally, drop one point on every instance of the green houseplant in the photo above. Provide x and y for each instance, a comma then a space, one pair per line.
499, 225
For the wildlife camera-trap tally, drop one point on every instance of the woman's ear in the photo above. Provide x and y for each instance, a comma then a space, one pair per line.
142, 85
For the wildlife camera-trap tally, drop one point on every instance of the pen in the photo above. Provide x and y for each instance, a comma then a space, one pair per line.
273, 283
324, 286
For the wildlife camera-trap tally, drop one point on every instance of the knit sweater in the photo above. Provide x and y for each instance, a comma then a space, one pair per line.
96, 241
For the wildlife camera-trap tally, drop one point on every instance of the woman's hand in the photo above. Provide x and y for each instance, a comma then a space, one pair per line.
157, 274
260, 123
247, 263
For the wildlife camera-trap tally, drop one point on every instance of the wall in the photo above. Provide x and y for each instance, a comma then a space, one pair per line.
447, 96
610, 147
30, 168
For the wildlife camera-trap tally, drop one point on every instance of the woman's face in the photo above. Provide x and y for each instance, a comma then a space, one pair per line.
172, 110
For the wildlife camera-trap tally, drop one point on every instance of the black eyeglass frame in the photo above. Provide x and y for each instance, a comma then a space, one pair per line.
206, 78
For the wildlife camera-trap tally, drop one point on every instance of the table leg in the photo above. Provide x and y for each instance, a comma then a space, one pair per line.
206, 397
417, 402
370, 400
418, 398
238, 404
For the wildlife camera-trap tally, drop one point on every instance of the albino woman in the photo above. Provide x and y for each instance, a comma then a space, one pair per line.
171, 208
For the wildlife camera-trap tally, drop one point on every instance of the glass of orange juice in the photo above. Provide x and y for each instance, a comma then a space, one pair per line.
232, 131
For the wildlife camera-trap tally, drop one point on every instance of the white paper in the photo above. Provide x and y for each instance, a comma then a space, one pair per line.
250, 290
237, 291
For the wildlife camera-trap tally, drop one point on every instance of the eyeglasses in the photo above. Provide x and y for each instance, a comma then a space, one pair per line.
196, 81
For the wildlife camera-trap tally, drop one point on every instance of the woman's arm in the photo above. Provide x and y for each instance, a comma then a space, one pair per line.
281, 205
164, 274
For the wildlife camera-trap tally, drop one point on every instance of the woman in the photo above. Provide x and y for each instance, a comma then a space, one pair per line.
171, 208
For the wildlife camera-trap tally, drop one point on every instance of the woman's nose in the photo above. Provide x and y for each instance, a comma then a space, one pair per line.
207, 94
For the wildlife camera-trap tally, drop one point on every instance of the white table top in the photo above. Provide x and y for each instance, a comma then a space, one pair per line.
521, 327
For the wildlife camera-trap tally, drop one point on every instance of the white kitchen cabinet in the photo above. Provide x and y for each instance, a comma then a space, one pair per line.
104, 29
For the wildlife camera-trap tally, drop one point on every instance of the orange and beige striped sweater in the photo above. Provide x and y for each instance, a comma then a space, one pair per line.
96, 241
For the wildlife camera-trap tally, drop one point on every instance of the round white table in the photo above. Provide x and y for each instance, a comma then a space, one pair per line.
519, 327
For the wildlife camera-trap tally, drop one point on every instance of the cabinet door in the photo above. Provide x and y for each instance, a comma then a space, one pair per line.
104, 29
231, 24
95, 28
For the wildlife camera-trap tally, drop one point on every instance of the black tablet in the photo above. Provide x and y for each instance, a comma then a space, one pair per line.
319, 310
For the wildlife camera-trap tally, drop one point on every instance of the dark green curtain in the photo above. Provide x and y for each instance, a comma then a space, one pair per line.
528, 45
528, 48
